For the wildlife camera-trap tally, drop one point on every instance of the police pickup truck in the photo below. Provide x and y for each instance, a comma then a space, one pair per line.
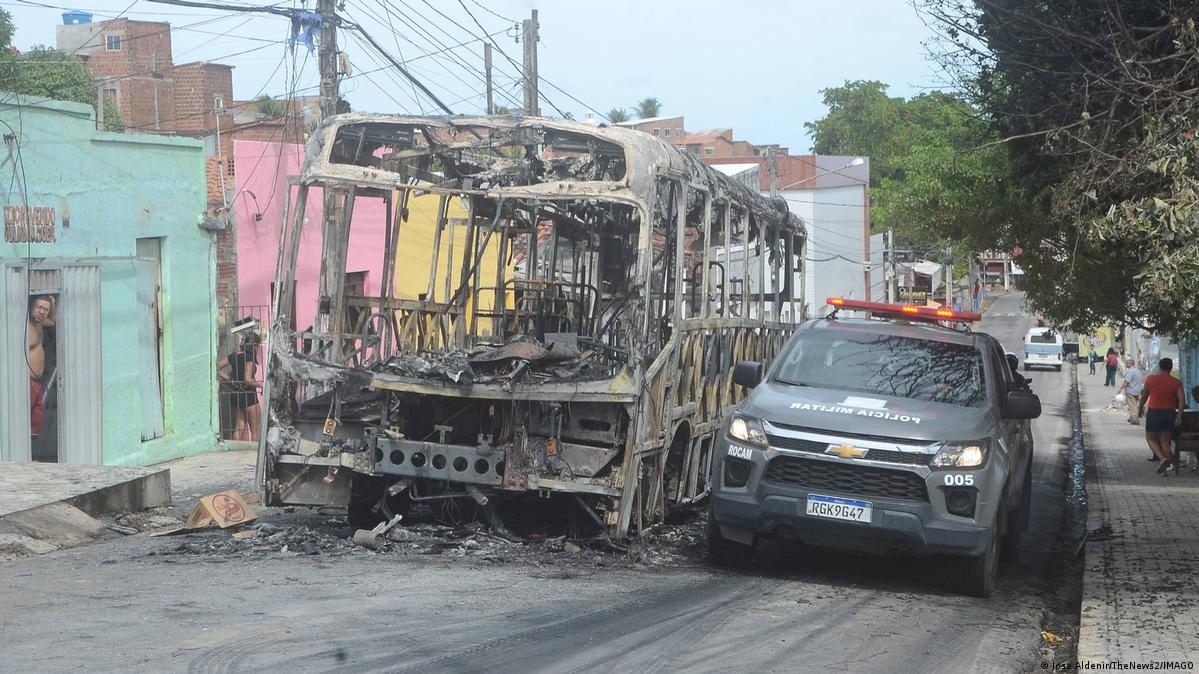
885, 434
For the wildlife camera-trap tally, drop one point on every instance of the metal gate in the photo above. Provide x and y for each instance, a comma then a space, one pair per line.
80, 428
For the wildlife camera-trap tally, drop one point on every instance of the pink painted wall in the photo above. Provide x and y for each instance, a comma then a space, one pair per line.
262, 169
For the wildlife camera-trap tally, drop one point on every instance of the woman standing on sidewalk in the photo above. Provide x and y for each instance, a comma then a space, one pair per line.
1164, 397
1111, 364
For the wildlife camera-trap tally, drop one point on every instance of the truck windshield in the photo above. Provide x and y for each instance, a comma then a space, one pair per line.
886, 365
1042, 338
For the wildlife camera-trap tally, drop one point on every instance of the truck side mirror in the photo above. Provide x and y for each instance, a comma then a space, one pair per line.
747, 373
1022, 405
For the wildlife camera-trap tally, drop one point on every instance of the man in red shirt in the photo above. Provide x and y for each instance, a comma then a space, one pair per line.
1163, 395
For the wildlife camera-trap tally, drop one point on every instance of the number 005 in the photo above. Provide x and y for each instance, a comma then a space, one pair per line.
954, 480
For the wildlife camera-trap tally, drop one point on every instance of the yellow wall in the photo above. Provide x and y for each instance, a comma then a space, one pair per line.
414, 254
1100, 339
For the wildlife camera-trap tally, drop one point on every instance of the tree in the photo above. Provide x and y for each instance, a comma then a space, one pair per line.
1096, 103
618, 115
649, 107
933, 176
49, 73
269, 107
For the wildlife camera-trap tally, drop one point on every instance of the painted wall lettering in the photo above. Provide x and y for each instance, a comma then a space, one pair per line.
33, 224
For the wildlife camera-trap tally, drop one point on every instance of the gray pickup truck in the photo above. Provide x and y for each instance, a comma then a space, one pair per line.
889, 434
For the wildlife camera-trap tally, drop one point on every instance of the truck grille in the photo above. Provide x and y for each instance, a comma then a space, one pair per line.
846, 478
816, 447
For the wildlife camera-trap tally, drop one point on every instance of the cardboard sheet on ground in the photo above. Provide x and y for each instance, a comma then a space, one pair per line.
226, 508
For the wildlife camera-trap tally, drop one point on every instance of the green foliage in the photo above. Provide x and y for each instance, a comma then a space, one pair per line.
49, 73
648, 107
934, 177
618, 115
269, 107
1098, 104
6, 30
46, 72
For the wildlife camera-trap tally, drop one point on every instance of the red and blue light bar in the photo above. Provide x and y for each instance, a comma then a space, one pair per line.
906, 310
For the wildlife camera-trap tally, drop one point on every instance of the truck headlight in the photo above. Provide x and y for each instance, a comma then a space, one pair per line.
747, 430
961, 455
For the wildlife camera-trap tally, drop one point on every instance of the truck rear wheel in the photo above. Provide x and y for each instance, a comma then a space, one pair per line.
1017, 521
724, 552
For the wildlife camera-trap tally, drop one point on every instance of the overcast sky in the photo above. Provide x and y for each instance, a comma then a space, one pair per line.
756, 66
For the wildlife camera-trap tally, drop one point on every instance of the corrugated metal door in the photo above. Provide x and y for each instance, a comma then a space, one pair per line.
79, 372
14, 372
149, 339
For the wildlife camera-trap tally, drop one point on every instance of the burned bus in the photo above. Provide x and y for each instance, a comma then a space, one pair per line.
563, 323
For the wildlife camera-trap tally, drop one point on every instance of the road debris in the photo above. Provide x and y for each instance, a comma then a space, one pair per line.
226, 509
124, 531
303, 532
370, 538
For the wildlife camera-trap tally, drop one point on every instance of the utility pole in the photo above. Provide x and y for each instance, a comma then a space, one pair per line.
773, 166
530, 36
948, 279
970, 279
327, 58
889, 263
487, 71
333, 239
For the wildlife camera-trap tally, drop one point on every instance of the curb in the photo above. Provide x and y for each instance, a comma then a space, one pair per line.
1093, 517
1079, 475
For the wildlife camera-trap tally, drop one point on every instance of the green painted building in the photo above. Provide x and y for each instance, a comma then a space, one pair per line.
111, 227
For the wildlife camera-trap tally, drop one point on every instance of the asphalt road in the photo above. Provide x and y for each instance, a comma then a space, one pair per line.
122, 605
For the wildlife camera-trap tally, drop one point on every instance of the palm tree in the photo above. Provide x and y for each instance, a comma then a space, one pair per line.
269, 107
649, 107
618, 115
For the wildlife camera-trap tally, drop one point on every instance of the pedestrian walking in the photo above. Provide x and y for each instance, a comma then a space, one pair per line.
1111, 363
1093, 358
1134, 381
1165, 400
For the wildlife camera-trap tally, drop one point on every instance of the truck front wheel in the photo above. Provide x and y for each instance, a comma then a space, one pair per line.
724, 552
975, 575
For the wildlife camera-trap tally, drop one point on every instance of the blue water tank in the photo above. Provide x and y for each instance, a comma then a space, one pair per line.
74, 17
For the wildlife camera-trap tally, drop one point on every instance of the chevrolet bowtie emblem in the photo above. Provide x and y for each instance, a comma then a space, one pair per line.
845, 451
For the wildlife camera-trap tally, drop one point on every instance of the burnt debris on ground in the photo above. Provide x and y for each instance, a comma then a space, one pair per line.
299, 532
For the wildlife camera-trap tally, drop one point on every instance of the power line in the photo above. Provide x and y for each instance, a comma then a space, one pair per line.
493, 13
506, 56
399, 50
399, 66
429, 38
432, 39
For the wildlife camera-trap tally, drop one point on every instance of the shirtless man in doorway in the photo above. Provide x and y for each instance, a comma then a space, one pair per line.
40, 307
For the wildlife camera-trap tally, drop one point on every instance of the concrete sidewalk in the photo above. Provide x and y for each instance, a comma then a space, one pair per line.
1141, 582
